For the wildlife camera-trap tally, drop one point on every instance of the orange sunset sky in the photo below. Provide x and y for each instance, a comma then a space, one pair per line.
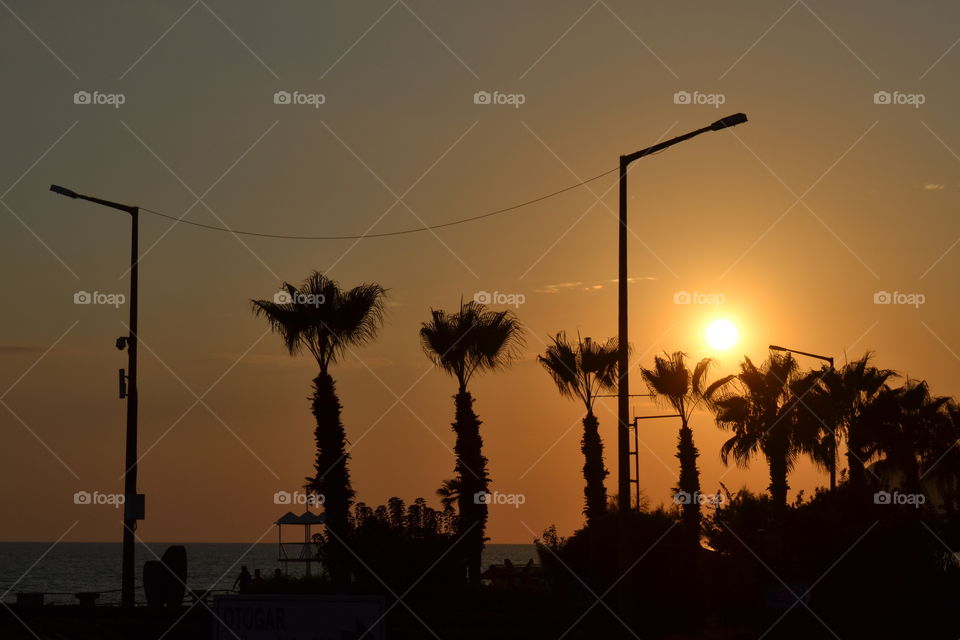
795, 220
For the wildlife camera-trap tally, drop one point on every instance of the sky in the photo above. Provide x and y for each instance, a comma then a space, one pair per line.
838, 195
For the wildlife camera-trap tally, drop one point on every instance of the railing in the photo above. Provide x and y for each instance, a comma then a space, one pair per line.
302, 552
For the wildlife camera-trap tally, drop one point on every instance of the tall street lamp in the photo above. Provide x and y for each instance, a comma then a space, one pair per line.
833, 435
623, 361
133, 509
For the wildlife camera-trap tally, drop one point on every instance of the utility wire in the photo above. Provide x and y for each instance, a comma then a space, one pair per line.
489, 214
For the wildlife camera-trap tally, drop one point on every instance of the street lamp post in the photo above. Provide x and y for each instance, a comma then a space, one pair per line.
623, 361
833, 435
133, 503
826, 359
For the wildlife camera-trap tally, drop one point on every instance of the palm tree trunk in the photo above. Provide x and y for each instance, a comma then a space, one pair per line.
689, 483
594, 472
332, 478
777, 460
911, 472
471, 468
833, 466
855, 467
830, 443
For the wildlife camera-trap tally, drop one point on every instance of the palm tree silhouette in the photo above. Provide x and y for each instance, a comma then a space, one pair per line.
757, 404
905, 430
581, 371
449, 493
464, 343
835, 408
941, 460
672, 381
324, 320
819, 422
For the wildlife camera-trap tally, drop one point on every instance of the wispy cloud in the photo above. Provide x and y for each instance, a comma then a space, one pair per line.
634, 280
586, 286
560, 286
934, 186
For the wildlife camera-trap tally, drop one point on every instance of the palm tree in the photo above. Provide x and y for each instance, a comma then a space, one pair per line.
941, 462
449, 493
912, 436
581, 371
758, 404
464, 343
835, 408
324, 320
907, 433
672, 381
817, 418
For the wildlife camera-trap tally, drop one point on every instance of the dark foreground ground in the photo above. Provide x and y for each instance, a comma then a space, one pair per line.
485, 616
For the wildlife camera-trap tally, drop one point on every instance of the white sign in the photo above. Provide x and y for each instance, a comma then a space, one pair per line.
294, 617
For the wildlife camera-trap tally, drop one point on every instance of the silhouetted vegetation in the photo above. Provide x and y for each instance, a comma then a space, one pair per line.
326, 321
757, 405
671, 381
582, 371
743, 565
469, 341
396, 547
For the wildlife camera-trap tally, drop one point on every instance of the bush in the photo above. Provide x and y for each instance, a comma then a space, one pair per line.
879, 565
394, 546
661, 582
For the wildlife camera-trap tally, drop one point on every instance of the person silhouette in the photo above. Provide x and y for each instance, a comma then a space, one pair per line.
279, 582
243, 580
257, 583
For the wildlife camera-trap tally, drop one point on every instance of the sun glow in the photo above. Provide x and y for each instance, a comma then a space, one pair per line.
722, 334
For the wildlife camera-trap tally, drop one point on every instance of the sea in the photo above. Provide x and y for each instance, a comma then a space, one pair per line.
61, 570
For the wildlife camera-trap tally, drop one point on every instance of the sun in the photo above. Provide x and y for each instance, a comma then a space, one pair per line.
722, 334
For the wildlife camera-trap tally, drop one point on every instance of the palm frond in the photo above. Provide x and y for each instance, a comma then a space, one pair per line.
471, 340
561, 361
443, 340
285, 321
497, 339
600, 360
669, 379
699, 375
321, 318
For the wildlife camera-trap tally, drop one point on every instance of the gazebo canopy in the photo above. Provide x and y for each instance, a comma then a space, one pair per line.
305, 518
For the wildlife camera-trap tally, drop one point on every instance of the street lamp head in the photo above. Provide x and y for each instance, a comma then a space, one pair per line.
729, 121
63, 191
774, 347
